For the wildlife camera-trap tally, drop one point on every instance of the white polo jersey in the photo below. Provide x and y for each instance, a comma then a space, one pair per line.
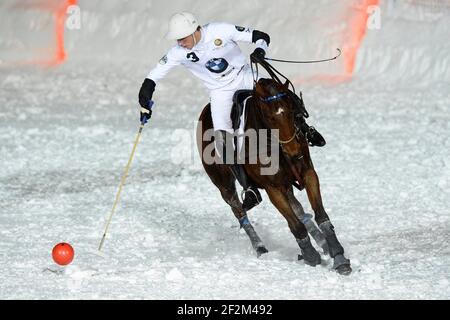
216, 59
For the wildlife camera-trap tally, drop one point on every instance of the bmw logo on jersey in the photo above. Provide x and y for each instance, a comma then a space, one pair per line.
217, 65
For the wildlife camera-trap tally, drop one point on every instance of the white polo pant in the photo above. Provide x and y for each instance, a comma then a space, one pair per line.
222, 99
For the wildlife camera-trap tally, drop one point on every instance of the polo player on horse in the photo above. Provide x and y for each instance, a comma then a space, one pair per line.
211, 53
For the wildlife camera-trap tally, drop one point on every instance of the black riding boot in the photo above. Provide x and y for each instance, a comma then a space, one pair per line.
313, 136
251, 195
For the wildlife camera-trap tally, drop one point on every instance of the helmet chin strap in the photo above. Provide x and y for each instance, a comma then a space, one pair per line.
195, 40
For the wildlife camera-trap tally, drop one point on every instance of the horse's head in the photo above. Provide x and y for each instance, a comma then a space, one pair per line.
277, 108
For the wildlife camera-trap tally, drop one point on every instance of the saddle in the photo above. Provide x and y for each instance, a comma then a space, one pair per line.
238, 106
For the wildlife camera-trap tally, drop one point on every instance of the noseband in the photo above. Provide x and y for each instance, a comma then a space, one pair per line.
273, 98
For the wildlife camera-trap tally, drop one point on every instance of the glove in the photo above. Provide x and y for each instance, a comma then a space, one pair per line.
258, 55
146, 113
145, 99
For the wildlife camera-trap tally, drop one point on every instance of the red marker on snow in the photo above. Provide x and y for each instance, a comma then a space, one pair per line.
63, 253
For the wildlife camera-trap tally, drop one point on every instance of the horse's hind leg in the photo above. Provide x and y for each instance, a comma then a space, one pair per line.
281, 202
230, 196
313, 230
311, 181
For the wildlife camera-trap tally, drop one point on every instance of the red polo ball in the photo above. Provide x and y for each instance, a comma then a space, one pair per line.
63, 253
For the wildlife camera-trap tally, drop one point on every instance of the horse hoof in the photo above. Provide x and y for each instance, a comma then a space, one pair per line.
309, 253
260, 251
342, 265
344, 269
312, 261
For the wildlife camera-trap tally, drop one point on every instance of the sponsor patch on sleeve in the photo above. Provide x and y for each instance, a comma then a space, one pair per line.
163, 60
242, 29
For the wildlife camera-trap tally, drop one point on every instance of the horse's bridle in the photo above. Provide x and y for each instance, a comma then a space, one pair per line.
274, 98
288, 141
289, 159
297, 132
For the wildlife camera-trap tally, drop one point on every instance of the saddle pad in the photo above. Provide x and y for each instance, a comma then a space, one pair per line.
241, 129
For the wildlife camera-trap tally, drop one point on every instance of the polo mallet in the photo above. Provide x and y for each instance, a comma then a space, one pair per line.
125, 174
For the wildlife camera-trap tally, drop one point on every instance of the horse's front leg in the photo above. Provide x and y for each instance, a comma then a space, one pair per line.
311, 181
280, 200
305, 218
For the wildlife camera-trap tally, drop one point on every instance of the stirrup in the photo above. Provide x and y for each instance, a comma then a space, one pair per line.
253, 204
243, 192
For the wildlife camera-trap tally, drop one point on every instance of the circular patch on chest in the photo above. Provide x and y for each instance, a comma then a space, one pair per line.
217, 65
218, 42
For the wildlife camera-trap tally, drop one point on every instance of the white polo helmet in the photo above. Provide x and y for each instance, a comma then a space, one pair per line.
181, 25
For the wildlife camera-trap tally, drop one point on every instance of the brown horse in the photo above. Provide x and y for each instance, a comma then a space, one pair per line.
273, 108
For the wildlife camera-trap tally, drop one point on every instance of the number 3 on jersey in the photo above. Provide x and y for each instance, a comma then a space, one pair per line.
192, 57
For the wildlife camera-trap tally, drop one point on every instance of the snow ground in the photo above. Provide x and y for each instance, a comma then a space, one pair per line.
64, 143
66, 134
